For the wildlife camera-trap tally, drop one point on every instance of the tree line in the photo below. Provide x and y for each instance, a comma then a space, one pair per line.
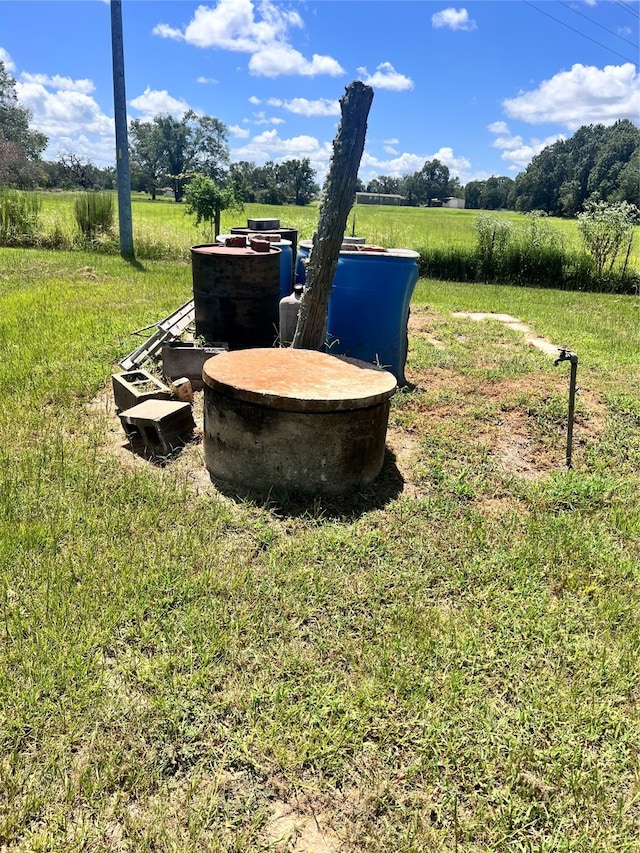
597, 162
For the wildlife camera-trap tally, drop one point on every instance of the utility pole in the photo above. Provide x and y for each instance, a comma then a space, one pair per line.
122, 141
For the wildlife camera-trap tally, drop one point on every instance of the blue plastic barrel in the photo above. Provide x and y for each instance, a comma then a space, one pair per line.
369, 307
302, 255
286, 266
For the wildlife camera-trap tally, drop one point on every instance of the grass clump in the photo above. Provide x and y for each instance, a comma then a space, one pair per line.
19, 217
94, 215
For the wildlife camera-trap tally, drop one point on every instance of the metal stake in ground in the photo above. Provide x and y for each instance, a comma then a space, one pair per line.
572, 358
340, 194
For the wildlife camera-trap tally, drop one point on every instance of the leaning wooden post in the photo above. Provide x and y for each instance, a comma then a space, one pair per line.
338, 201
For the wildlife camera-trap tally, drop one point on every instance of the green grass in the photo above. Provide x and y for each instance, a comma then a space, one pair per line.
165, 223
451, 667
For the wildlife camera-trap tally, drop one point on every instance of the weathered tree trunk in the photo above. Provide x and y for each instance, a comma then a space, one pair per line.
339, 195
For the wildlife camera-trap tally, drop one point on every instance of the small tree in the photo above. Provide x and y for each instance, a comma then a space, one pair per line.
206, 201
606, 229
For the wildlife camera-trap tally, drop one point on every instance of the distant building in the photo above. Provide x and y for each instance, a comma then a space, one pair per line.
453, 202
380, 198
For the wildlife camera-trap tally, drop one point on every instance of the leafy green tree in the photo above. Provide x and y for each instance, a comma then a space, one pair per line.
207, 149
386, 185
495, 193
565, 174
241, 179
617, 148
472, 193
297, 177
628, 188
24, 144
429, 185
171, 149
606, 229
206, 200
147, 154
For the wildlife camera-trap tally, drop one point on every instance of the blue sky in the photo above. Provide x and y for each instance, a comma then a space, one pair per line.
483, 86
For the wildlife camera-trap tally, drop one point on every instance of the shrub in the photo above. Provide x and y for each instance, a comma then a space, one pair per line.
606, 229
94, 214
19, 213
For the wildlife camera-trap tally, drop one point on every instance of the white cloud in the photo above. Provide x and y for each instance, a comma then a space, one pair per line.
303, 107
262, 118
59, 83
255, 101
407, 164
5, 57
389, 149
207, 80
279, 59
72, 120
65, 112
386, 77
100, 151
583, 95
269, 146
259, 29
517, 152
232, 25
396, 167
454, 19
152, 102
240, 132
519, 157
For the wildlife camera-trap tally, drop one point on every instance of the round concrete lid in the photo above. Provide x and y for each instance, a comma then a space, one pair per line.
217, 249
298, 380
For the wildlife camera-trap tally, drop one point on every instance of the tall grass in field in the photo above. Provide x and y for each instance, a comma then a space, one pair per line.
19, 217
545, 253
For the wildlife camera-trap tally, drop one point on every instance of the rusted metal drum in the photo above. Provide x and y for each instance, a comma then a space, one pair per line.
295, 419
285, 233
236, 294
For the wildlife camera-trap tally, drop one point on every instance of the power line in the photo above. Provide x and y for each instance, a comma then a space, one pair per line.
569, 27
606, 29
627, 8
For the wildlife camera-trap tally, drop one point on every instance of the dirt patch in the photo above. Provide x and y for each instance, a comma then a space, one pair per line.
304, 826
517, 452
493, 414
187, 464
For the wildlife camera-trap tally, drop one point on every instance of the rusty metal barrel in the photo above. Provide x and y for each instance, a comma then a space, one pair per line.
270, 227
236, 294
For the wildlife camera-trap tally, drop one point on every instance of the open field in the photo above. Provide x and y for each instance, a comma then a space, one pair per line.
446, 661
162, 223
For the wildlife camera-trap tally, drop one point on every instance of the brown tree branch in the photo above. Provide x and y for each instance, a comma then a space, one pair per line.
340, 193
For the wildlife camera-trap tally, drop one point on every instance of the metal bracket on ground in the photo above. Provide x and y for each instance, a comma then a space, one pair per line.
167, 330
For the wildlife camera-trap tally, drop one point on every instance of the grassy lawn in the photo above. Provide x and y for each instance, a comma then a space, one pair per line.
446, 661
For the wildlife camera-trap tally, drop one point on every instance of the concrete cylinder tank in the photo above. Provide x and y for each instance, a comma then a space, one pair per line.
296, 419
236, 294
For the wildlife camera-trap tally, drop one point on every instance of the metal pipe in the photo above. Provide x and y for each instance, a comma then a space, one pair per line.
572, 358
